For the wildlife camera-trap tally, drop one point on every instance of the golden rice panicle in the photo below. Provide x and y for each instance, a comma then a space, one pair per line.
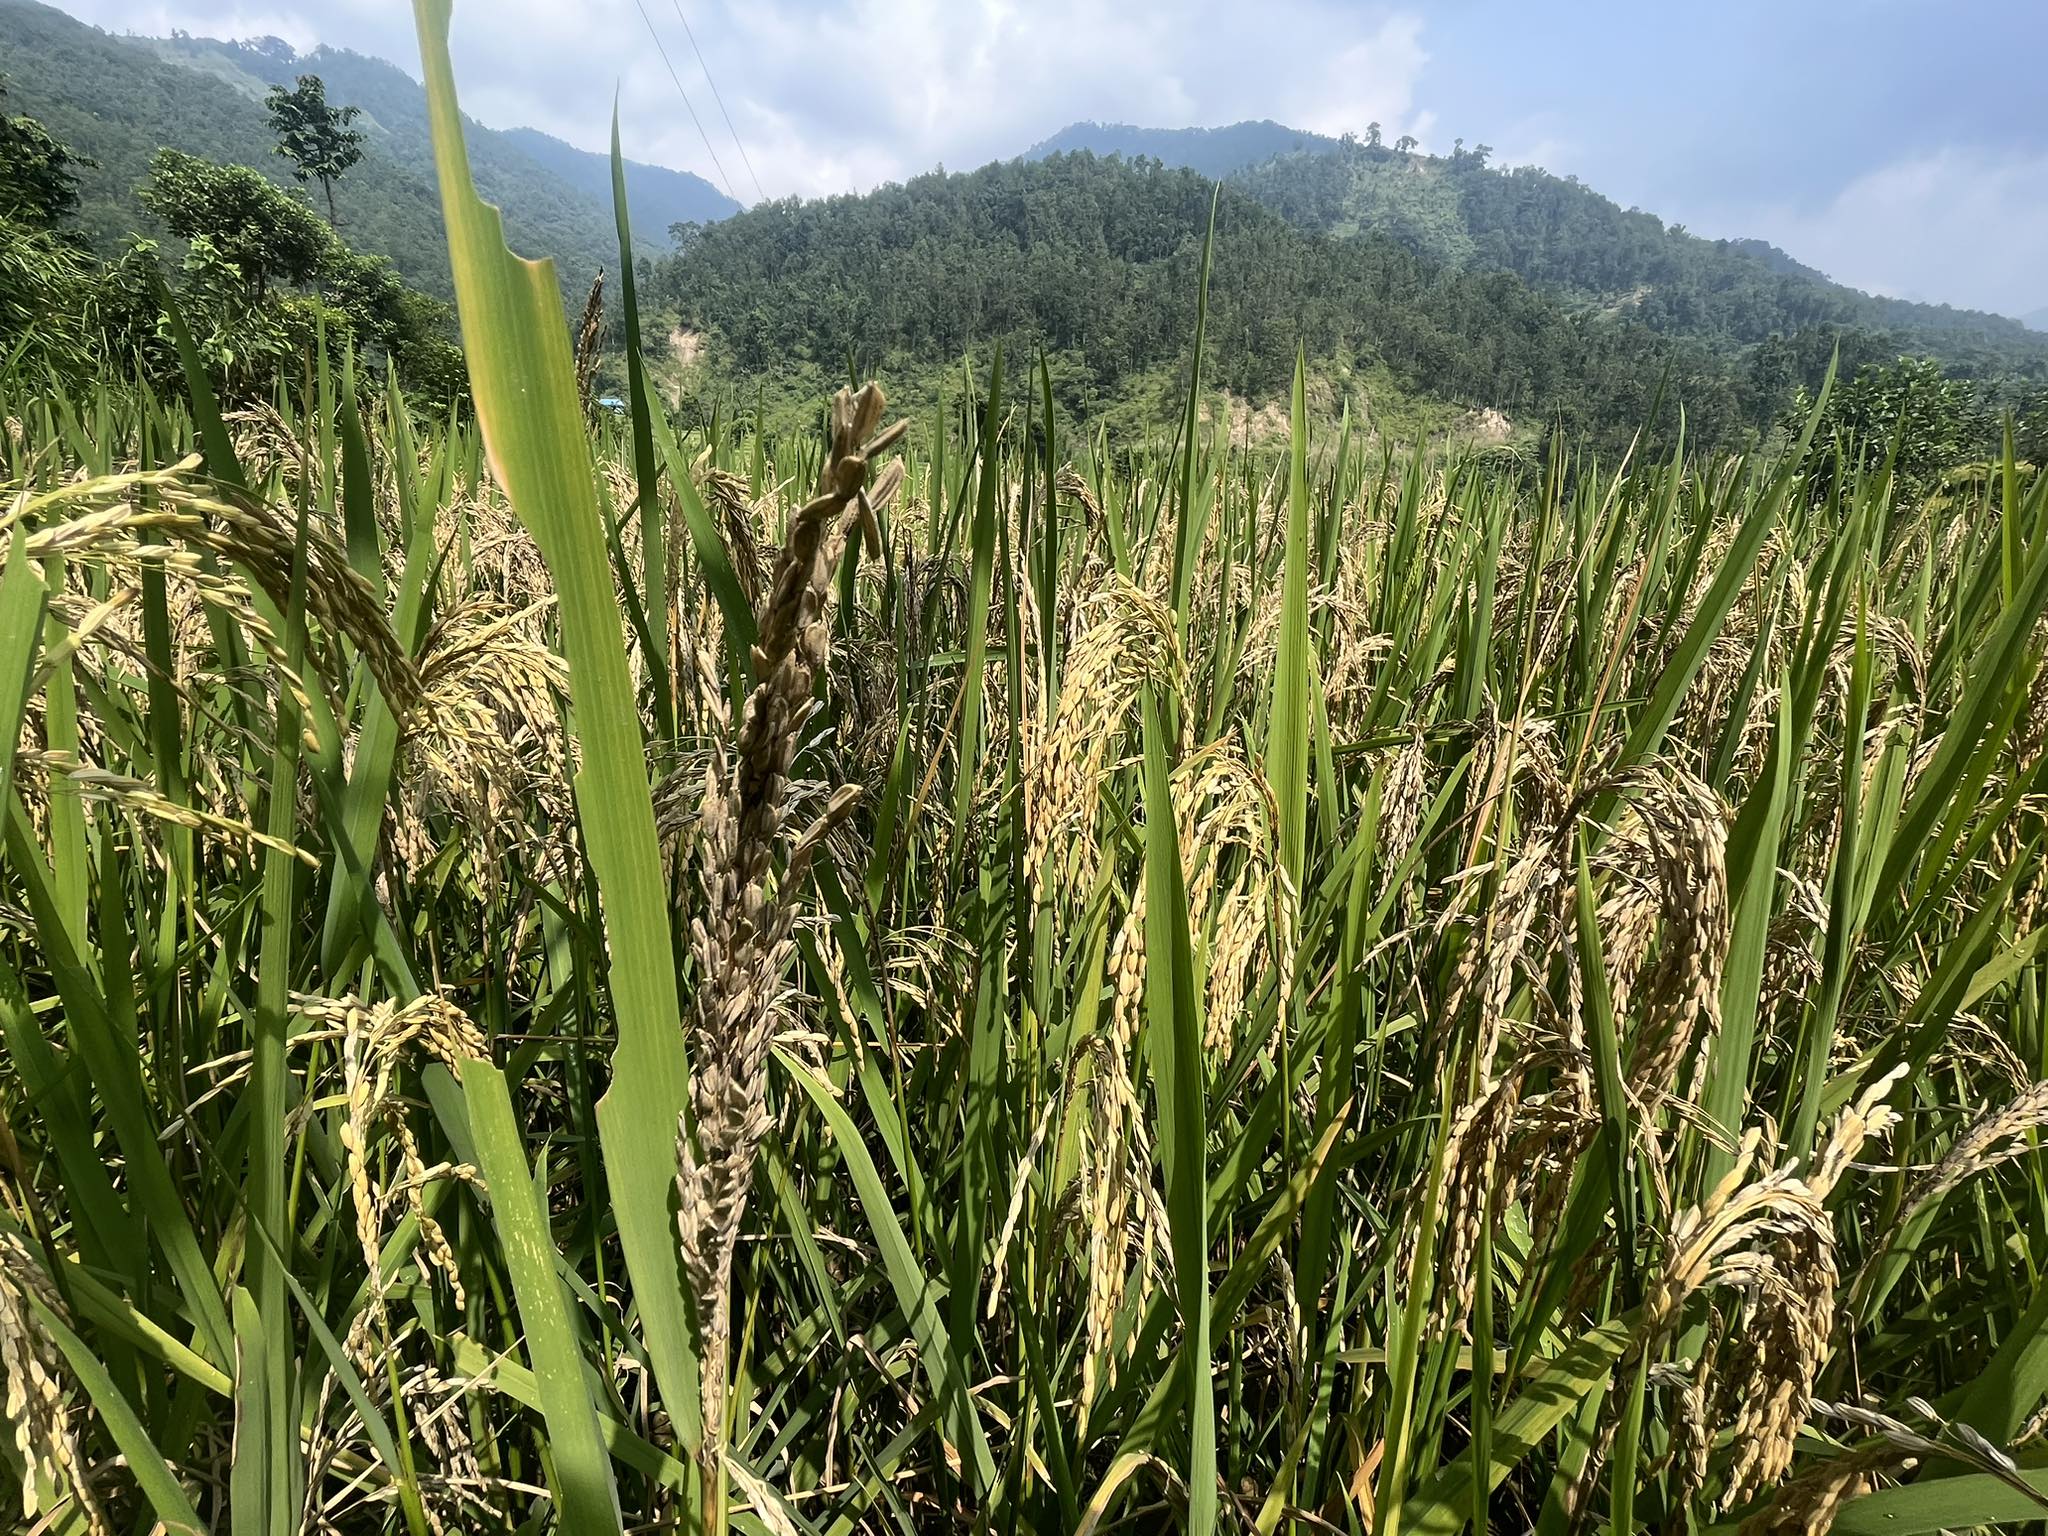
1402, 803
485, 752
1020, 1193
1992, 1138
740, 522
459, 1495
373, 1041
35, 1400
102, 515
1807, 1504
1771, 1241
1687, 834
1117, 1157
1130, 643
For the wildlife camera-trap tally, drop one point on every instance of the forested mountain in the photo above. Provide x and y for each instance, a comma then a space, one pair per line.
1097, 260
119, 99
1426, 278
532, 169
656, 196
1564, 238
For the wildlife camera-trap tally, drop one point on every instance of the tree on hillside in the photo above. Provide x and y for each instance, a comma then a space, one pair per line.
2031, 427
314, 136
266, 233
1912, 406
249, 242
38, 186
1405, 144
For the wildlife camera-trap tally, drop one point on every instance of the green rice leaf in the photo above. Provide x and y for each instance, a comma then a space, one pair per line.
523, 379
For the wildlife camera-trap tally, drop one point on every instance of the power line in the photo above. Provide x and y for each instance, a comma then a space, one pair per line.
705, 64
686, 101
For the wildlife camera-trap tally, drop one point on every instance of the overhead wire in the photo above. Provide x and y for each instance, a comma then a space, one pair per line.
701, 134
705, 65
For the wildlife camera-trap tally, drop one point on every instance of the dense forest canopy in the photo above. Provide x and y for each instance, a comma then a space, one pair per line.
1565, 238
1098, 261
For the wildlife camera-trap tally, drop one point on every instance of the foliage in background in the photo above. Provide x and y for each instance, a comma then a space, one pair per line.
1566, 239
1096, 262
259, 277
38, 175
121, 98
1910, 411
1093, 261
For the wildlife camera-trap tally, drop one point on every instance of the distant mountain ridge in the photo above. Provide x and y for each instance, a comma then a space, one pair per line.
1214, 152
656, 196
119, 98
1555, 232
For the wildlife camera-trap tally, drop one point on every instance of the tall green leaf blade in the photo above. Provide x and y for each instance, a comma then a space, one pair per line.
523, 379
1173, 1043
646, 470
1945, 1504
982, 549
1287, 726
111, 1063
589, 1501
23, 601
1549, 1395
146, 1464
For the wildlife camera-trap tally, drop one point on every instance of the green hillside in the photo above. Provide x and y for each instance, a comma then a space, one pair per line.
1565, 238
505, 160
118, 99
656, 195
1097, 261
118, 103
1433, 283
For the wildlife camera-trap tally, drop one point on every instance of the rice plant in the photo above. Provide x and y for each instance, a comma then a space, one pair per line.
585, 977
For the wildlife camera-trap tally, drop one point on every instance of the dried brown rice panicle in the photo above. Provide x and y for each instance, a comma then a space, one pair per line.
742, 940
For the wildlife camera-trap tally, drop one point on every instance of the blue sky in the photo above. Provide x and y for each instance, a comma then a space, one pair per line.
1898, 144
1882, 140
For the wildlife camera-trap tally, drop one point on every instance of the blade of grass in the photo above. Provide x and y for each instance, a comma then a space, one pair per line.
588, 1499
646, 471
1173, 1044
523, 380
944, 1366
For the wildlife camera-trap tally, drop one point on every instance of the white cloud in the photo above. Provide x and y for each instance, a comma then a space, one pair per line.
1955, 224
879, 89
840, 97
159, 20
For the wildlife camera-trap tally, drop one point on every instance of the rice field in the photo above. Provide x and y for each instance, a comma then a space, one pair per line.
575, 976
